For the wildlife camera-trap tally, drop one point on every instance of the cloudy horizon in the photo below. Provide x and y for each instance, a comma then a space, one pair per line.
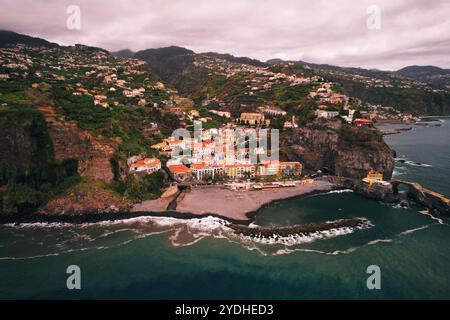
411, 32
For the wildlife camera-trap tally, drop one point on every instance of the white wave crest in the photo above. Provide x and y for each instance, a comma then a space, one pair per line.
340, 191
180, 233
410, 231
417, 164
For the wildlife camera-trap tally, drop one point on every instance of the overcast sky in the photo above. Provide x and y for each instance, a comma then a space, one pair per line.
320, 31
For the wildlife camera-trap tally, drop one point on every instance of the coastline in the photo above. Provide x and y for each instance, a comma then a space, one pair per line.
236, 207
245, 215
426, 121
230, 204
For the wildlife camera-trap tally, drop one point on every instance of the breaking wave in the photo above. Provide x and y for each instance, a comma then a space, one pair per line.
418, 164
399, 171
339, 191
411, 163
410, 231
426, 212
51, 239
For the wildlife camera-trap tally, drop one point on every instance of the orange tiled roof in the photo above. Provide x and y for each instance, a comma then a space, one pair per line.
198, 166
363, 120
176, 142
147, 162
179, 168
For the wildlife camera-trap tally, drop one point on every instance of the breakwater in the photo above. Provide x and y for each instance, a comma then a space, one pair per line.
297, 229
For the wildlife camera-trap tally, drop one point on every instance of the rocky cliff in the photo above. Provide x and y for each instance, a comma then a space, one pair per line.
70, 142
29, 172
17, 145
345, 151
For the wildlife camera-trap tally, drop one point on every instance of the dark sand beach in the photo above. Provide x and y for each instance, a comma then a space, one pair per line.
231, 204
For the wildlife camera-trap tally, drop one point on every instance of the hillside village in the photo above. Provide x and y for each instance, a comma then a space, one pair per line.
122, 100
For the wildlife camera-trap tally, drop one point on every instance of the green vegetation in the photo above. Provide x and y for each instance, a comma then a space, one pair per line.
415, 100
292, 99
13, 93
29, 173
126, 124
140, 188
352, 137
82, 109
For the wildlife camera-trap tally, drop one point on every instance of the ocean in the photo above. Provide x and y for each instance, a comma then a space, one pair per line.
168, 258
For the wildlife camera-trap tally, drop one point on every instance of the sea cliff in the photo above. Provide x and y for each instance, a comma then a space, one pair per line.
340, 149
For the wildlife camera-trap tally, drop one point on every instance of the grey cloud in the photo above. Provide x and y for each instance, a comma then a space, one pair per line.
334, 32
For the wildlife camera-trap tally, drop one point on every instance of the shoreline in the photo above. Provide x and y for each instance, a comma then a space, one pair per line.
231, 204
388, 132
402, 122
428, 121
245, 218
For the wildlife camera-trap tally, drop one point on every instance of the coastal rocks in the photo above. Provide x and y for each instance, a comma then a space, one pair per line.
295, 230
423, 196
343, 150
86, 198
170, 193
375, 191
387, 132
389, 194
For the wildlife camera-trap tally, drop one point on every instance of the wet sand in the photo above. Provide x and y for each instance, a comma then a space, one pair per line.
230, 204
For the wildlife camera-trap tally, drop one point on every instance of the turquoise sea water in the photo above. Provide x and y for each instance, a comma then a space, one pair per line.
160, 258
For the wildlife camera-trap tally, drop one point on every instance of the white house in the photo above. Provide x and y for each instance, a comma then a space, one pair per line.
326, 114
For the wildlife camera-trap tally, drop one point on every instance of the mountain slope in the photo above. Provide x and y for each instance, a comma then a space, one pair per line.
231, 58
11, 38
414, 89
125, 53
63, 124
429, 74
175, 65
419, 72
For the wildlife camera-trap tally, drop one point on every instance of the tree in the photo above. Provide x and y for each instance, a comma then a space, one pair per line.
357, 115
137, 188
207, 177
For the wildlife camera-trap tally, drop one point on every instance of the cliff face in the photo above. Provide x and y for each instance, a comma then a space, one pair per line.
16, 142
70, 142
93, 154
344, 151
24, 139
